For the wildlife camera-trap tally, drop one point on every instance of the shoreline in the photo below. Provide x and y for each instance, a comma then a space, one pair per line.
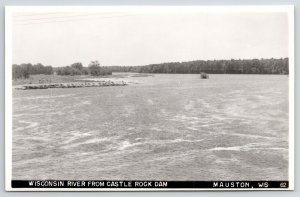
71, 85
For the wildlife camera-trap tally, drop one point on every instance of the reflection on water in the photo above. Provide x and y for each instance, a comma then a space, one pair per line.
166, 127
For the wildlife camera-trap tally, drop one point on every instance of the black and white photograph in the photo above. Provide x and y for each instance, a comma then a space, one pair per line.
149, 98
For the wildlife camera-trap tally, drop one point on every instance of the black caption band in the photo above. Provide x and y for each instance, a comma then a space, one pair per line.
148, 184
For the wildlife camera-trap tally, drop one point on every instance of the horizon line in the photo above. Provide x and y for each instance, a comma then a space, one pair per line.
243, 59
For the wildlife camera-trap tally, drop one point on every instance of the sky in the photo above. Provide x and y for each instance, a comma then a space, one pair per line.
135, 37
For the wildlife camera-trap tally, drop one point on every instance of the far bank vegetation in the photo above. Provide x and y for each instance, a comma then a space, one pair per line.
233, 66
247, 66
25, 70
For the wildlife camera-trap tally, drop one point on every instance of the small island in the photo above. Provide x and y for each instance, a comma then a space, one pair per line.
204, 76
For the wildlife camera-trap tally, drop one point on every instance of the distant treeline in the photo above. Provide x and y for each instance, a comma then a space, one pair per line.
93, 69
251, 66
25, 70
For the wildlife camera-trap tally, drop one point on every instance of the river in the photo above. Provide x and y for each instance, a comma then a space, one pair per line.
163, 127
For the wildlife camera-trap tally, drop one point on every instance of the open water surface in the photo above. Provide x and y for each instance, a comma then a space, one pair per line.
165, 127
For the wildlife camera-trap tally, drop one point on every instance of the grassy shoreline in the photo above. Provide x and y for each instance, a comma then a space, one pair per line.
35, 80
45, 79
49, 79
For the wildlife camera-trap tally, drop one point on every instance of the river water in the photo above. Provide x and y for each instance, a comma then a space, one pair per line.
164, 127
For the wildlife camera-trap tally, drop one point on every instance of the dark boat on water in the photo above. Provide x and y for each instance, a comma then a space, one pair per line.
204, 75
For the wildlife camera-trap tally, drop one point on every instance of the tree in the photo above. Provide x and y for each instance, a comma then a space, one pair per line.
26, 69
85, 71
75, 71
77, 65
16, 71
38, 69
48, 70
94, 68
